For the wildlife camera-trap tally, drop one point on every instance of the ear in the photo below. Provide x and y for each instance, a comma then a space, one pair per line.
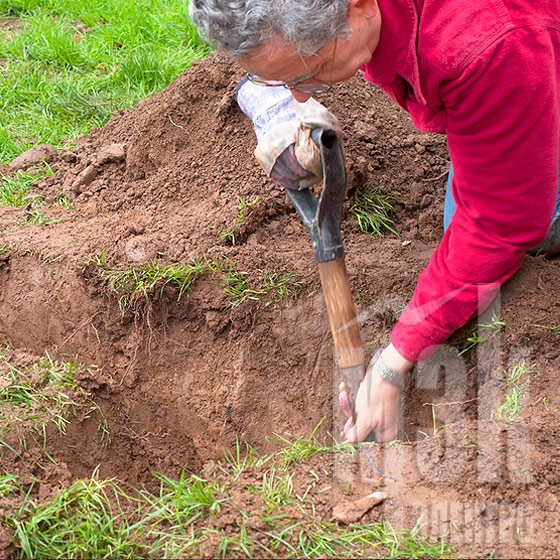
363, 8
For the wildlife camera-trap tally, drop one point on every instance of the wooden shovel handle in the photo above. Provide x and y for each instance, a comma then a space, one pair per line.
342, 314
345, 330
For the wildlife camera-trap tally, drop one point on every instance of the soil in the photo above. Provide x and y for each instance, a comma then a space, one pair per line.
179, 379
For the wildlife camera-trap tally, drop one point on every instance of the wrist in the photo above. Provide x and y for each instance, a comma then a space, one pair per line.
395, 361
383, 371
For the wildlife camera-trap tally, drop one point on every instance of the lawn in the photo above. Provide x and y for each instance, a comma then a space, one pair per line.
67, 65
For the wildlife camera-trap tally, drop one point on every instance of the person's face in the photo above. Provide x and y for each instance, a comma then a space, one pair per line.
337, 61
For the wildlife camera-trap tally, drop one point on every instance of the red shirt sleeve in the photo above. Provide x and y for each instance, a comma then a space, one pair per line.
503, 131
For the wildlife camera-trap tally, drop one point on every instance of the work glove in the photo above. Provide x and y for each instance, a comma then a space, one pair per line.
283, 127
377, 404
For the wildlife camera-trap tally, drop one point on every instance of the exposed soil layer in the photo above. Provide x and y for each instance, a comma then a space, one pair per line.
179, 379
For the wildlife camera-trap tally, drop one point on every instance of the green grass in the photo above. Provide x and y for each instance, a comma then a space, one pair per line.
8, 484
142, 283
205, 516
84, 521
236, 286
280, 288
481, 333
36, 217
373, 210
190, 498
42, 258
516, 382
240, 219
554, 327
34, 397
270, 288
71, 64
276, 489
294, 450
16, 190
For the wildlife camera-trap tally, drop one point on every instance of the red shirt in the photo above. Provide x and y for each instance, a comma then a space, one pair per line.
487, 74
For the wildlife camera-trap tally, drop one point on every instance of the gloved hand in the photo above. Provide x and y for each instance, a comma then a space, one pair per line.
283, 128
377, 404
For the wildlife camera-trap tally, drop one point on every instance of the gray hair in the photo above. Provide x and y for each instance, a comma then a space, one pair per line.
240, 27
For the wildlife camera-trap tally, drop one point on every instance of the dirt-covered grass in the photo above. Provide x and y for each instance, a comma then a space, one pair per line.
41, 394
248, 505
140, 284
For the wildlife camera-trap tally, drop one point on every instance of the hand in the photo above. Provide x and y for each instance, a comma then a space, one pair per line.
377, 409
377, 401
289, 173
283, 128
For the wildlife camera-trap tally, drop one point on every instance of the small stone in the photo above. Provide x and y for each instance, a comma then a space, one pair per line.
419, 148
33, 156
95, 186
409, 141
141, 249
213, 319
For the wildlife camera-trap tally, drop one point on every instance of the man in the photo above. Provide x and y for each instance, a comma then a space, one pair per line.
484, 72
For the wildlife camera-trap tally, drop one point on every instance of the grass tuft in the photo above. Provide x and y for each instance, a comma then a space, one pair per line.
373, 210
295, 449
15, 190
242, 207
276, 489
84, 521
141, 282
516, 380
189, 498
279, 288
481, 333
554, 327
8, 484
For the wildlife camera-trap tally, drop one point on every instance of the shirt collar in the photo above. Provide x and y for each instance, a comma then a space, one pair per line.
396, 52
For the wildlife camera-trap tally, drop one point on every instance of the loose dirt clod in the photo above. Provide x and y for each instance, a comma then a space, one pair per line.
84, 178
33, 156
111, 154
352, 512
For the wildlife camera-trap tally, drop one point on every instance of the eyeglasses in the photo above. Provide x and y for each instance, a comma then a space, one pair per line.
311, 87
303, 88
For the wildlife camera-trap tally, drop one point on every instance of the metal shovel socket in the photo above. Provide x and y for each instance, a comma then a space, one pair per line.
321, 218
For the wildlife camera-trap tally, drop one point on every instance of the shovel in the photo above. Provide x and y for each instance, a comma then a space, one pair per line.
320, 217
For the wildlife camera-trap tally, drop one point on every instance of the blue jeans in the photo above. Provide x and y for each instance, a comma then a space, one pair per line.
551, 245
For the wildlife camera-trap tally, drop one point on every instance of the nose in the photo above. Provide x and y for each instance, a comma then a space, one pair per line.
301, 97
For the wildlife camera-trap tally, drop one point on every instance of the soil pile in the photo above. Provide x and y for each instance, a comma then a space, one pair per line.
180, 378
